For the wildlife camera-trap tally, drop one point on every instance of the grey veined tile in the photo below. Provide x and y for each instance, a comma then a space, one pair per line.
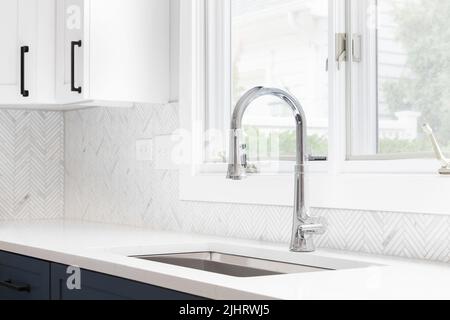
105, 183
31, 165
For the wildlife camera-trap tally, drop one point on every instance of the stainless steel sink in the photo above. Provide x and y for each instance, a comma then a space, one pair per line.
231, 265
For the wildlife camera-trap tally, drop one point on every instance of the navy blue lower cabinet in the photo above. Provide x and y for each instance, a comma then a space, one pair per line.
23, 278
97, 286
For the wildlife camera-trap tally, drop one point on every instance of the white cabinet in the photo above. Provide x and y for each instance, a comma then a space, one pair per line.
61, 54
112, 52
27, 52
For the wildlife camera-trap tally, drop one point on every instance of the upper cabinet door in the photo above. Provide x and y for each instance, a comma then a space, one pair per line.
130, 50
18, 34
71, 48
112, 52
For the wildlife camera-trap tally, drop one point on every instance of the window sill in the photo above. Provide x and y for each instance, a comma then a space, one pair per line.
391, 192
265, 169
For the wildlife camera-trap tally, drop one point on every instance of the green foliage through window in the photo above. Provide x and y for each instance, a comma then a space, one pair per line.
423, 30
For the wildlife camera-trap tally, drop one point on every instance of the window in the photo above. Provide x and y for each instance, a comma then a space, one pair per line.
403, 77
369, 108
279, 43
399, 75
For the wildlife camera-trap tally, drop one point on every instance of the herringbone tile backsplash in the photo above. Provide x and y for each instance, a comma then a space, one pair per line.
31, 165
105, 183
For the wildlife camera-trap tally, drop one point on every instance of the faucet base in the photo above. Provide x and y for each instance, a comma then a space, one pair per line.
303, 237
444, 171
304, 246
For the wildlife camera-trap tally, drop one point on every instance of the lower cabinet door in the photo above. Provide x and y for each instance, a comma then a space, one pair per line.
23, 278
97, 286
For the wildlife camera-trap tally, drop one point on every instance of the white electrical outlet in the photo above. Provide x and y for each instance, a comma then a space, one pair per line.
144, 150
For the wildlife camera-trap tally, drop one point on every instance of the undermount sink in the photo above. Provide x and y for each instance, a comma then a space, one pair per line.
231, 265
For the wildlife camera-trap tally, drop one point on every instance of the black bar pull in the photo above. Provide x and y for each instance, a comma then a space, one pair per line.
73, 87
19, 287
23, 51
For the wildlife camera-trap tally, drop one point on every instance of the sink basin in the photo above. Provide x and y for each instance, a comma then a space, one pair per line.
231, 265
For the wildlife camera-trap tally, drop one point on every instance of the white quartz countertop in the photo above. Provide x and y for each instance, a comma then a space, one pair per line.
106, 249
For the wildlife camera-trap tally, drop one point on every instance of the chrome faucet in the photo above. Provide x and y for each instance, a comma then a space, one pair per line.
304, 227
445, 163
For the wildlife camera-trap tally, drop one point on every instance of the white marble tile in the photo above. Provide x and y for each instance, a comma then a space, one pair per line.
31, 165
105, 183
164, 152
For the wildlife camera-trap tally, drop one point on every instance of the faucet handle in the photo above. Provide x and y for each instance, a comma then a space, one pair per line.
311, 229
303, 238
244, 156
238, 156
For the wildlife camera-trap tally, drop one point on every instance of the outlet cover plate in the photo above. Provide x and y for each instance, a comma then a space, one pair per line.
144, 150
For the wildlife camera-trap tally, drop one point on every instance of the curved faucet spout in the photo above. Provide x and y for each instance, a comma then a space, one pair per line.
258, 92
301, 241
237, 149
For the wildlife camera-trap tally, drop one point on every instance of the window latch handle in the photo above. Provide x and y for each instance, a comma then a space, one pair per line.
341, 49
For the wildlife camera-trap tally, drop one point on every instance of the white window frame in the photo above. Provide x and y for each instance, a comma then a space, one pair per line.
381, 185
363, 92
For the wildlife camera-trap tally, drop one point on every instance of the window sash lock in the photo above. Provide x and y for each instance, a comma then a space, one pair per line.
342, 47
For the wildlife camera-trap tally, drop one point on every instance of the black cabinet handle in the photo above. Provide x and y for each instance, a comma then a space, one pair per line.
73, 45
19, 287
23, 51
